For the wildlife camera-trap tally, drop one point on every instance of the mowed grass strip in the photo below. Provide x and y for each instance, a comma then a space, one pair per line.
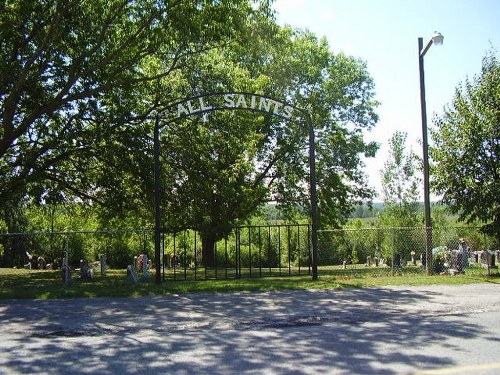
37, 284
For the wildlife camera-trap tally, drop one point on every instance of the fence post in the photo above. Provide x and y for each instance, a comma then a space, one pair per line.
428, 249
393, 251
238, 254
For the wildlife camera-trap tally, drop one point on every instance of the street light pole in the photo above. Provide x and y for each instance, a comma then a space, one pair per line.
437, 39
314, 199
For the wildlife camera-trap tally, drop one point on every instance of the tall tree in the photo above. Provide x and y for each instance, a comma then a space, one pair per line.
267, 158
209, 180
400, 185
213, 181
338, 92
215, 166
466, 150
217, 171
69, 68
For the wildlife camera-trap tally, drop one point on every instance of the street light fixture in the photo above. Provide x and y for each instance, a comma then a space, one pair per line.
437, 39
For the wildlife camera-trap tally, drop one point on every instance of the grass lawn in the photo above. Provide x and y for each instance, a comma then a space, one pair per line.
33, 284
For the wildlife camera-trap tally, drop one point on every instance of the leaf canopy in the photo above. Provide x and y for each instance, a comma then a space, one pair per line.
466, 150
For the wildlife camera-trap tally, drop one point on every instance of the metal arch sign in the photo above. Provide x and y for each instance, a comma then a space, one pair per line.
201, 104
198, 105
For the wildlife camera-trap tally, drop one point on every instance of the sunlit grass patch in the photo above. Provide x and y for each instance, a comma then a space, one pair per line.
33, 284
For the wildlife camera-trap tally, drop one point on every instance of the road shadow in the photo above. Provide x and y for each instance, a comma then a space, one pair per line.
354, 331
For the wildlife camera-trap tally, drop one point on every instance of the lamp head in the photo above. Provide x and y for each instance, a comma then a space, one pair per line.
437, 38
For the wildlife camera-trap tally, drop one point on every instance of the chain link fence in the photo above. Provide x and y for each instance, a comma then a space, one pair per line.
46, 250
250, 251
403, 250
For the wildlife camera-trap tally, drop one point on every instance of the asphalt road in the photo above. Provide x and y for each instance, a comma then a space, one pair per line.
390, 330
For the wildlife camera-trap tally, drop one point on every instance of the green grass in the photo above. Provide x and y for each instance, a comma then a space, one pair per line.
34, 284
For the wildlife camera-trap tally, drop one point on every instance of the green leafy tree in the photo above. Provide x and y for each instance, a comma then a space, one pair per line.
248, 160
208, 176
400, 191
71, 73
338, 93
399, 183
216, 173
212, 179
466, 150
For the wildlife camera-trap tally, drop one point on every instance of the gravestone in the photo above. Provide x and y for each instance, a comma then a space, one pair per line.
413, 260
86, 272
145, 268
457, 262
492, 260
132, 274
66, 269
369, 260
463, 249
102, 259
487, 259
397, 260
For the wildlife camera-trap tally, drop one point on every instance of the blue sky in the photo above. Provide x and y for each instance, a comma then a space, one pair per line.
384, 34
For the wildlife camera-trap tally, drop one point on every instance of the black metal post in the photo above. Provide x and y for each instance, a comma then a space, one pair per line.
425, 151
157, 183
314, 200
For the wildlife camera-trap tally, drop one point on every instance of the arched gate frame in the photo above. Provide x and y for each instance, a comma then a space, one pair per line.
201, 104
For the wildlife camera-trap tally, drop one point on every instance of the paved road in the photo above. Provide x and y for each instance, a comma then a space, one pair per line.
390, 330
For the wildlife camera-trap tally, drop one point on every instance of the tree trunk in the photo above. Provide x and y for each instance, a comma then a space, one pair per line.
208, 250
